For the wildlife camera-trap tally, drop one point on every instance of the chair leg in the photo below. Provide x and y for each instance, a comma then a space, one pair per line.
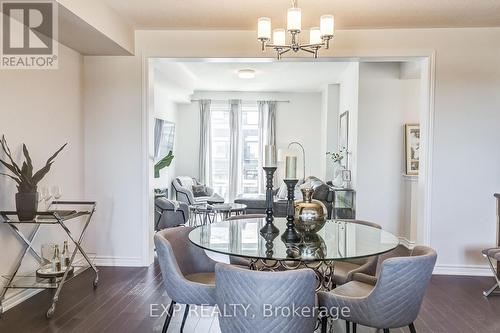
169, 317
412, 328
184, 318
324, 323
386, 330
354, 327
347, 326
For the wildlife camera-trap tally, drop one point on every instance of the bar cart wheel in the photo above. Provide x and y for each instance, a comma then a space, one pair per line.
51, 311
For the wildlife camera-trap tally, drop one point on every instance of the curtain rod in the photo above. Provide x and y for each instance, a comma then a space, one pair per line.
243, 100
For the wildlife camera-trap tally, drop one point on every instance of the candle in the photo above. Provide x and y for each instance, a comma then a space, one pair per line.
291, 167
270, 156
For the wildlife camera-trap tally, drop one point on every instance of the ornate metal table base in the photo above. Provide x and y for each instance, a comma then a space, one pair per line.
323, 269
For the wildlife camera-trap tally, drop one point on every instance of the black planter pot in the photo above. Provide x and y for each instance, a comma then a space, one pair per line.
26, 205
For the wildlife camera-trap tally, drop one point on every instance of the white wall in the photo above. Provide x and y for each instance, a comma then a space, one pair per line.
386, 103
348, 101
299, 120
465, 121
113, 157
43, 109
165, 108
330, 123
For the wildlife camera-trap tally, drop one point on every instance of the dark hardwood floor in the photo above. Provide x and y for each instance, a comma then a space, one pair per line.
122, 301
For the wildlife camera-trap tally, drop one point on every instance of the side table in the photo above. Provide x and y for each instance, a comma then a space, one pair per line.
50, 218
344, 203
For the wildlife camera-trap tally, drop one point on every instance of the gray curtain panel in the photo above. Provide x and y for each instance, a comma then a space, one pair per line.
158, 132
234, 148
267, 115
205, 147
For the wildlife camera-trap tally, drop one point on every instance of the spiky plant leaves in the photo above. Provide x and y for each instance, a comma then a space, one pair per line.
24, 177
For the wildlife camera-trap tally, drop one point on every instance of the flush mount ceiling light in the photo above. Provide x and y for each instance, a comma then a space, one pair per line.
318, 36
246, 74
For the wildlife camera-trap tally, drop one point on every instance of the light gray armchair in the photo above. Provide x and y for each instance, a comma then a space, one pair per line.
262, 293
183, 187
170, 213
390, 301
188, 273
345, 270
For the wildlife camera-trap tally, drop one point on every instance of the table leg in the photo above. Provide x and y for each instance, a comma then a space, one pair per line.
28, 241
18, 264
78, 247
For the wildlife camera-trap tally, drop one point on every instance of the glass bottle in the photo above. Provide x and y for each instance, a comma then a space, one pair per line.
56, 261
65, 255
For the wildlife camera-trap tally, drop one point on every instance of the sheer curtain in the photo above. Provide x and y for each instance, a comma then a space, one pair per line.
234, 148
205, 146
267, 133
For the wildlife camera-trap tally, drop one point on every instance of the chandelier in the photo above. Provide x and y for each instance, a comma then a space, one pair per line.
318, 36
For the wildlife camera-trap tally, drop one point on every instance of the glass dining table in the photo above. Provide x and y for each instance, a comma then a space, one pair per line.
335, 240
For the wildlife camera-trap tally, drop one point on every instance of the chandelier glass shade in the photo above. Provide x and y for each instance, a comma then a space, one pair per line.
318, 36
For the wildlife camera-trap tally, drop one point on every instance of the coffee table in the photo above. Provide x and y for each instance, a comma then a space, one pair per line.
206, 213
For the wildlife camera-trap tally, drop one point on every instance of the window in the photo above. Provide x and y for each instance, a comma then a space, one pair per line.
220, 147
249, 148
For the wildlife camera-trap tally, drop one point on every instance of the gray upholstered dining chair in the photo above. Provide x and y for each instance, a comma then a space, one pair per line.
262, 293
238, 260
345, 269
390, 301
188, 273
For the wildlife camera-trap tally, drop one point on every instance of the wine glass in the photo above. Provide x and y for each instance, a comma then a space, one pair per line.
45, 196
55, 192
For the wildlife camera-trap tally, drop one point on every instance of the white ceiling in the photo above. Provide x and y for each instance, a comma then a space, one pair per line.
271, 76
349, 14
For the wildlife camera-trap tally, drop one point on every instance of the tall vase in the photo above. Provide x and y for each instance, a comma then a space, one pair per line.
337, 175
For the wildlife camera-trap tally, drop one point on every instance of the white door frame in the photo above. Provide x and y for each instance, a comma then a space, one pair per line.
426, 129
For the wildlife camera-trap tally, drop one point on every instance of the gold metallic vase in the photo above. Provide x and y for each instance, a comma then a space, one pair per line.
310, 214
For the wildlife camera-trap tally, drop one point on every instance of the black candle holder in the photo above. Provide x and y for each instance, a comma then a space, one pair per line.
269, 228
290, 235
269, 244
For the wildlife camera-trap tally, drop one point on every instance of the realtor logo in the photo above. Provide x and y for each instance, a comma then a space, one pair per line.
28, 35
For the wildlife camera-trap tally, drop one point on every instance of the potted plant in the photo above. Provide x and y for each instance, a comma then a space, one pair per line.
27, 180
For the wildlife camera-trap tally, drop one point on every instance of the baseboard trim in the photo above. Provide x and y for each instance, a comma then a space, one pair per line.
18, 298
118, 261
406, 243
465, 270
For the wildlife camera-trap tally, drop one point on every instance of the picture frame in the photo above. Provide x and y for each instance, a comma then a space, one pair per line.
346, 175
343, 138
412, 149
